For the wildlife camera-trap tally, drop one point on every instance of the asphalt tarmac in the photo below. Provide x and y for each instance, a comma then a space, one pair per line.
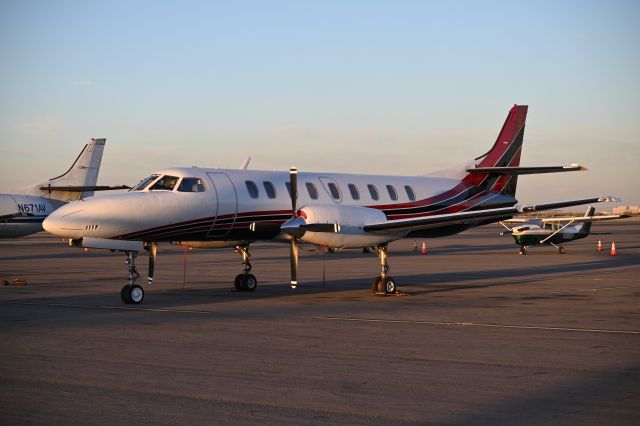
480, 335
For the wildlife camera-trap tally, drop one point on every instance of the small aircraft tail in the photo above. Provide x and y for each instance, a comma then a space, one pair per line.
82, 173
586, 226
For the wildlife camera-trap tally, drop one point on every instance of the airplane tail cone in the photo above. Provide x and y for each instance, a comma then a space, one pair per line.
613, 249
599, 245
424, 248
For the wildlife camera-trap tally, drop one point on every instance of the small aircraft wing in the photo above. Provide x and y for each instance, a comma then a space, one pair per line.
584, 218
551, 206
527, 170
77, 188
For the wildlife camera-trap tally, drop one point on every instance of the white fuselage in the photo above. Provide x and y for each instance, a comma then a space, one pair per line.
227, 201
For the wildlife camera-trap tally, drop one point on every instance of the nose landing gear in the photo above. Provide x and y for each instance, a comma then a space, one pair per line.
132, 293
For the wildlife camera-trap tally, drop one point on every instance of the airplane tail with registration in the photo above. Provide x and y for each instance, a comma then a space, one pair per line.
77, 182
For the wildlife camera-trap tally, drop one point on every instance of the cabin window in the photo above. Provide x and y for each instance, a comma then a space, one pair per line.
269, 189
312, 190
191, 184
333, 189
354, 191
373, 191
392, 192
166, 183
410, 193
252, 188
144, 182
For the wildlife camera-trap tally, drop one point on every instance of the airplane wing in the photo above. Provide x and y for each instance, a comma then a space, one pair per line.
551, 206
584, 218
414, 224
470, 217
527, 170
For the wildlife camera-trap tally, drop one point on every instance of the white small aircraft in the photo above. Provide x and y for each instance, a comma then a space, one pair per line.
22, 214
221, 207
554, 230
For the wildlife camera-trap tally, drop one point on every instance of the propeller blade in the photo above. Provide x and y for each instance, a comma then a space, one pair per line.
294, 263
293, 177
153, 251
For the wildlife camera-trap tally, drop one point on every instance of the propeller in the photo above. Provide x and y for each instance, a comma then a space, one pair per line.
153, 251
293, 252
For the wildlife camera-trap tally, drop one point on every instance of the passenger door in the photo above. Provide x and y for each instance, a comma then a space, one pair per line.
226, 205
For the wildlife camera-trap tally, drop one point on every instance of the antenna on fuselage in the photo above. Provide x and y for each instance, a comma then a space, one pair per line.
245, 164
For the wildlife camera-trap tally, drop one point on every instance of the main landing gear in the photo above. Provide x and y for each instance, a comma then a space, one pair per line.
132, 293
560, 248
383, 283
245, 281
523, 250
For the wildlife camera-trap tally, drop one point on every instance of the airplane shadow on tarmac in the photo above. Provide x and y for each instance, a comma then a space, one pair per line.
416, 284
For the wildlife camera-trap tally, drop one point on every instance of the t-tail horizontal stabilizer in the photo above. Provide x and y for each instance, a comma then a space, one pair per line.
527, 170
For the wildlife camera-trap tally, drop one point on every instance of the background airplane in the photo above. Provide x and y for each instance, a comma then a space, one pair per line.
554, 231
22, 214
222, 207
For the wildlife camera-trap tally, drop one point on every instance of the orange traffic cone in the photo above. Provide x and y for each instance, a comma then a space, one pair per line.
613, 249
424, 248
599, 245
415, 246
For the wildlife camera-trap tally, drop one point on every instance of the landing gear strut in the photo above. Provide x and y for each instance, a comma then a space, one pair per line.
560, 248
245, 281
383, 283
132, 293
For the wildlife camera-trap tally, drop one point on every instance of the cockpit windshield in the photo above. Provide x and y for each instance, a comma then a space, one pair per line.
144, 182
166, 183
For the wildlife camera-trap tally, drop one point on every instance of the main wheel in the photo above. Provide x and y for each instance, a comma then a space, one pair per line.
389, 285
249, 282
561, 250
238, 282
523, 250
136, 294
375, 283
124, 294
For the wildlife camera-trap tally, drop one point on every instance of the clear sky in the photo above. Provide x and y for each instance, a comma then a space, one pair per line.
391, 87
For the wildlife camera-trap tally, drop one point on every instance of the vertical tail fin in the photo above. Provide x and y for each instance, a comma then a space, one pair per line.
83, 172
505, 152
586, 226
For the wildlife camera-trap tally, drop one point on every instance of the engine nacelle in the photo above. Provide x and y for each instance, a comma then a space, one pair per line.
350, 220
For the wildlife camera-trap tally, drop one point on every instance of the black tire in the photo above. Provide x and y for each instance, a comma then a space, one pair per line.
124, 294
561, 250
374, 284
249, 282
523, 250
389, 285
238, 282
136, 294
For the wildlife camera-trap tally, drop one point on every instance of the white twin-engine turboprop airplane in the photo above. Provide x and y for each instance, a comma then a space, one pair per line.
220, 207
22, 214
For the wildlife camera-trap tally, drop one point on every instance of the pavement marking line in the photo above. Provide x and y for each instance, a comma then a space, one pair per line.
473, 324
124, 308
585, 289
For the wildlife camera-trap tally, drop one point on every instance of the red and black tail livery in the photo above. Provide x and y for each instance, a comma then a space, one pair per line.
505, 152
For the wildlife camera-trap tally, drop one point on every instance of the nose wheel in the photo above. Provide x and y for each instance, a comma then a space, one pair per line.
132, 294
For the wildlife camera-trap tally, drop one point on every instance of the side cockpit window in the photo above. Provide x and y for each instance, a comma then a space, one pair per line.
166, 183
144, 183
191, 184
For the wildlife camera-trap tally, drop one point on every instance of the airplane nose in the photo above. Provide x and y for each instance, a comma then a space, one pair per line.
62, 223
